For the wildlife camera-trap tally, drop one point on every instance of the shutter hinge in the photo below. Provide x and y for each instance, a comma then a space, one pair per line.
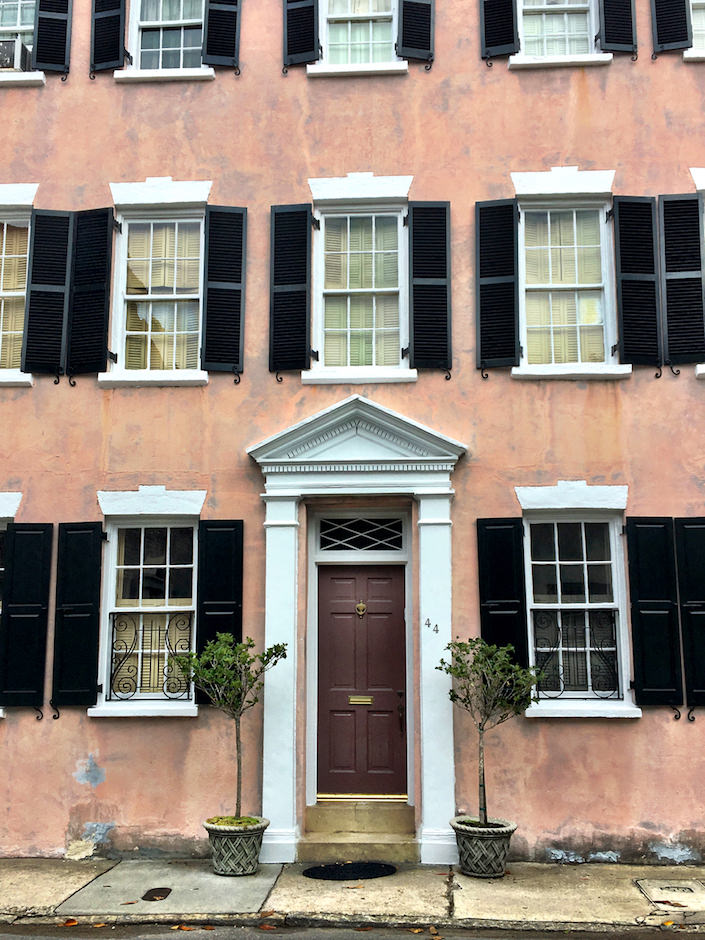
104, 535
624, 530
615, 348
404, 352
117, 226
316, 223
631, 684
521, 351
314, 354
99, 688
405, 220
112, 356
126, 55
610, 213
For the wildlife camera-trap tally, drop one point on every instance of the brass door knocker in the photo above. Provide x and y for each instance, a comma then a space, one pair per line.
361, 608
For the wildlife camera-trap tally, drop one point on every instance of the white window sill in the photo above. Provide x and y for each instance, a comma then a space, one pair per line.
581, 708
143, 709
2, 712
22, 79
203, 74
16, 378
700, 368
572, 371
357, 375
520, 61
693, 55
324, 70
155, 378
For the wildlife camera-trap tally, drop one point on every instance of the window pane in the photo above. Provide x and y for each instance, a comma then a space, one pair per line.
155, 546
129, 546
602, 628
542, 541
154, 585
361, 312
570, 542
600, 584
128, 586
335, 349
361, 349
181, 546
572, 584
597, 541
180, 581
544, 582
136, 352
545, 629
603, 666
336, 313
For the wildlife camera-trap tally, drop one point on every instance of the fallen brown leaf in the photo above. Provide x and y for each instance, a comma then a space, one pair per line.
416, 930
71, 922
433, 931
127, 902
99, 925
267, 927
267, 913
672, 903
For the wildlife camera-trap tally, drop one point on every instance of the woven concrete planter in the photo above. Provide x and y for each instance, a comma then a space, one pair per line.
483, 851
236, 848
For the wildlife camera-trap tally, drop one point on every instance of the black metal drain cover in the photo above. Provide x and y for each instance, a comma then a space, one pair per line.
349, 871
156, 894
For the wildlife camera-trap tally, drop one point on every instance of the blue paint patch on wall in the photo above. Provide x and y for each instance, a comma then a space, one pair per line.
97, 832
87, 771
564, 857
603, 857
675, 852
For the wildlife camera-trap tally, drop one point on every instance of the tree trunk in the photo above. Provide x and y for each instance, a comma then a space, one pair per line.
481, 775
238, 778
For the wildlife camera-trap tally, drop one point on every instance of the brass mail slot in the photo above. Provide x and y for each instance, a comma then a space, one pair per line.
361, 700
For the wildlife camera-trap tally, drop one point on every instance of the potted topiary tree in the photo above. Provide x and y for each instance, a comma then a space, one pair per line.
232, 677
491, 687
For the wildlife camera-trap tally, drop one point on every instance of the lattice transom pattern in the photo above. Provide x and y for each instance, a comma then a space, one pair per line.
361, 534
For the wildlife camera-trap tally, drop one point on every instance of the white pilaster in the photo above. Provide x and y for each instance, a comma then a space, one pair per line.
279, 734
437, 842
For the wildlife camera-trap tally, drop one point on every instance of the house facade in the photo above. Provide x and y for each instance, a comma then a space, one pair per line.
357, 325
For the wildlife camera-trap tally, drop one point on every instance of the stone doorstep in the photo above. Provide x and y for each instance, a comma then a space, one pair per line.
364, 816
325, 847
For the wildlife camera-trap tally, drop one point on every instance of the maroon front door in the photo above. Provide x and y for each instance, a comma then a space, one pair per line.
361, 680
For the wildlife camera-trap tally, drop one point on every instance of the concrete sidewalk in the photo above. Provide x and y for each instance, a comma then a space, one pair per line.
531, 896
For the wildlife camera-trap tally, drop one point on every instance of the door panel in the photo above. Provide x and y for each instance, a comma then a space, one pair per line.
361, 744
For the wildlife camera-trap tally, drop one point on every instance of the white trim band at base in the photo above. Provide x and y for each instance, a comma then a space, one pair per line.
278, 845
581, 708
438, 847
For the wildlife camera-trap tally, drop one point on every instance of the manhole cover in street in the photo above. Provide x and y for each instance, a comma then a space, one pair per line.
156, 894
674, 894
349, 871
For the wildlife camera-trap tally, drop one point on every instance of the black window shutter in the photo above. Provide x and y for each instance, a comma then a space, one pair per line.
52, 35
89, 307
23, 622
690, 549
300, 31
501, 580
429, 285
638, 285
221, 33
682, 278
498, 25
290, 291
224, 307
107, 35
671, 25
77, 619
415, 39
617, 26
654, 611
47, 291
497, 265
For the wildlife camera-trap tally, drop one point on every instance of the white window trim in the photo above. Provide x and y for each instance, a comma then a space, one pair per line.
150, 504
520, 60
611, 368
133, 73
23, 79
9, 504
589, 707
698, 174
323, 68
158, 198
691, 54
359, 194
16, 201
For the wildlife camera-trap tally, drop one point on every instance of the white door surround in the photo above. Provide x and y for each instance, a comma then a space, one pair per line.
354, 448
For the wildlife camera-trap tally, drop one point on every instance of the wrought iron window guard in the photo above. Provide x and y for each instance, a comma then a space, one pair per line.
143, 645
590, 671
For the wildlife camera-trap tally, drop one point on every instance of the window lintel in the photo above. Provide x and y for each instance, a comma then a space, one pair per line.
572, 495
564, 181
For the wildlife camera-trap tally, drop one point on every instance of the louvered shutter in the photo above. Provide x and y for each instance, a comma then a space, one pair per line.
47, 291
501, 581
89, 307
77, 619
654, 611
290, 296
221, 33
638, 285
671, 25
690, 550
52, 35
617, 26
497, 255
108, 35
23, 622
682, 278
225, 289
415, 39
498, 26
429, 285
300, 31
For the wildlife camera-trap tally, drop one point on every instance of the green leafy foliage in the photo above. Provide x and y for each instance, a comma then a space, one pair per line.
490, 685
232, 676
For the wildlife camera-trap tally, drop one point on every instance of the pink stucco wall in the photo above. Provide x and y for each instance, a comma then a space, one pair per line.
575, 785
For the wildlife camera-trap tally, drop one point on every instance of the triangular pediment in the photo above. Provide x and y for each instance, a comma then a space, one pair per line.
357, 431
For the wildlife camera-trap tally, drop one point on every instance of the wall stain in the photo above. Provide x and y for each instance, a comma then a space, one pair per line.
87, 771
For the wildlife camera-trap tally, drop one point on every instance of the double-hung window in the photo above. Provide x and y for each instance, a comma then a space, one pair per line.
14, 250
152, 610
557, 27
359, 31
16, 33
362, 290
162, 294
170, 34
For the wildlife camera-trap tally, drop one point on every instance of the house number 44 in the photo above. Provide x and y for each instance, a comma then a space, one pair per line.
434, 628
